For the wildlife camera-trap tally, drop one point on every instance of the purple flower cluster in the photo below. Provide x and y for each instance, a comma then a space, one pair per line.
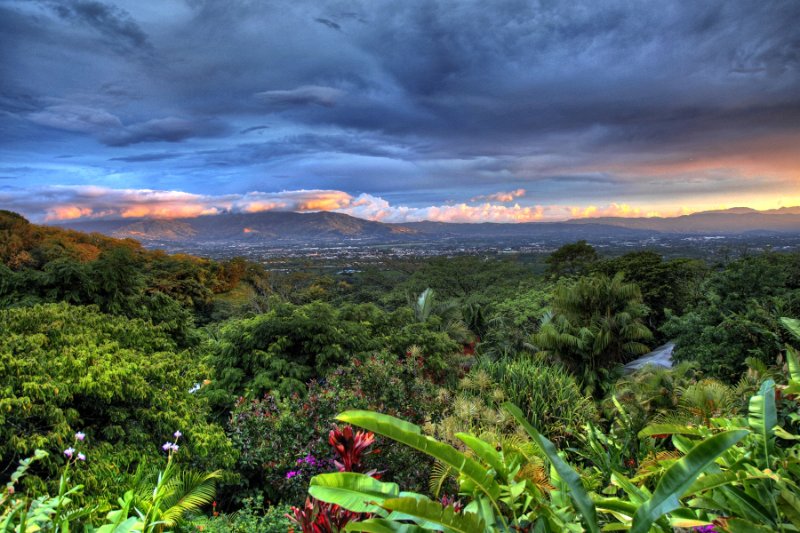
69, 453
309, 459
705, 529
170, 447
291, 473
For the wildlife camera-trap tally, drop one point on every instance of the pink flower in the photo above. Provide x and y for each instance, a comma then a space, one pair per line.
177, 435
69, 451
290, 474
81, 457
167, 446
80, 435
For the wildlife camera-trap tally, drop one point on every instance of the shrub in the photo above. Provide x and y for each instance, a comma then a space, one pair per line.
548, 395
283, 441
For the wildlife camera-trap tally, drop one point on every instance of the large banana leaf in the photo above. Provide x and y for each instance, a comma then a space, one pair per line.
485, 451
636, 494
716, 480
669, 429
680, 476
381, 525
583, 502
431, 512
355, 492
792, 325
411, 435
793, 362
737, 525
746, 506
762, 418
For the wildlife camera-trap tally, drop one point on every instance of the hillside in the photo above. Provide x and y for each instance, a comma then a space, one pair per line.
326, 227
729, 222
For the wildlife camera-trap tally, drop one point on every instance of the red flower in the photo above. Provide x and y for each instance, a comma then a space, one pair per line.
321, 517
350, 448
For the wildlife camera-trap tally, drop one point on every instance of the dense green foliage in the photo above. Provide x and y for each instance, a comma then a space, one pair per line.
737, 316
122, 382
104, 339
596, 323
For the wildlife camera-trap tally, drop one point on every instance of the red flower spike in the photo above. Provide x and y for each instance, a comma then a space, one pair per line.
350, 448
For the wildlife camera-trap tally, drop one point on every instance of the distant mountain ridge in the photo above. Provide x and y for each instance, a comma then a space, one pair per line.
734, 221
322, 226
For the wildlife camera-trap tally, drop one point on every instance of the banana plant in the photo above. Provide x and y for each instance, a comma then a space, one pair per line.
502, 502
751, 486
502, 497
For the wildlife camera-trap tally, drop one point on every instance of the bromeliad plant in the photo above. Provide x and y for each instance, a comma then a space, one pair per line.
318, 516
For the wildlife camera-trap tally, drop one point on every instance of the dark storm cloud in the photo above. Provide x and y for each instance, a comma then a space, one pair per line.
112, 22
409, 98
329, 23
110, 130
145, 158
305, 95
253, 128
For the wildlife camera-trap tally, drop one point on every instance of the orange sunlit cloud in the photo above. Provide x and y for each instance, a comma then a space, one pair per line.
70, 203
501, 196
67, 212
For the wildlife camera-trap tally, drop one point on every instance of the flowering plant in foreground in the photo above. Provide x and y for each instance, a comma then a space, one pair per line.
350, 449
44, 512
175, 494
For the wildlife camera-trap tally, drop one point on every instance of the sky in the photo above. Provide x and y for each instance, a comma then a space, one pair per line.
469, 111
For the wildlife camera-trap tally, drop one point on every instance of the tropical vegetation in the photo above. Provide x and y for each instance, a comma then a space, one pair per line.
142, 391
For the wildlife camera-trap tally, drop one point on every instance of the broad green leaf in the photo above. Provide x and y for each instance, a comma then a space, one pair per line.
411, 435
737, 525
485, 451
616, 505
434, 512
680, 476
763, 417
792, 325
793, 362
355, 492
482, 507
381, 525
636, 494
789, 503
669, 429
583, 502
746, 506
713, 481
130, 525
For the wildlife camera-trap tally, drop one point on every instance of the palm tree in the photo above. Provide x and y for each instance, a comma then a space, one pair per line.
595, 324
426, 307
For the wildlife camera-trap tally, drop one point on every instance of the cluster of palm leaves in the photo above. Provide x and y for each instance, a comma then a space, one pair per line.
597, 323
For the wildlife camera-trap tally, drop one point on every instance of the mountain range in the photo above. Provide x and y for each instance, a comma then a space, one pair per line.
326, 227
